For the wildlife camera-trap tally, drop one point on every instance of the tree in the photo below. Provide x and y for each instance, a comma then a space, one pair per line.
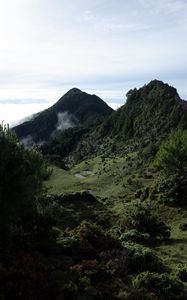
172, 155
21, 181
171, 160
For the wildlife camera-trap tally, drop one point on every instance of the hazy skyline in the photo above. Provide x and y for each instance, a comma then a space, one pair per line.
102, 47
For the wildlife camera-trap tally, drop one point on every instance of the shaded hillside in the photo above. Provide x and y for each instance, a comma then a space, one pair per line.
149, 115
73, 109
150, 111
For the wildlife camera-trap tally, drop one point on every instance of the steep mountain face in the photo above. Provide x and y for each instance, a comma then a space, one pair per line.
149, 115
73, 109
153, 110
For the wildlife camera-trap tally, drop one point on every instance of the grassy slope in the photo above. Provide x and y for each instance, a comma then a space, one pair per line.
114, 181
174, 251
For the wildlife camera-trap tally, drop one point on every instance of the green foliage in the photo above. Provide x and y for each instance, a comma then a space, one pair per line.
141, 258
65, 142
134, 236
142, 218
181, 272
172, 155
149, 114
170, 189
171, 186
161, 285
87, 239
21, 181
148, 152
134, 294
183, 226
95, 283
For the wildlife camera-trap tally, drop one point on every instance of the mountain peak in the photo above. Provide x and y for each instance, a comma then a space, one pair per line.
162, 88
74, 91
156, 82
150, 111
155, 90
75, 108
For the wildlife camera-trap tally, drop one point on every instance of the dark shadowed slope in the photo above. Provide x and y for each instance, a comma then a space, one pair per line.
74, 108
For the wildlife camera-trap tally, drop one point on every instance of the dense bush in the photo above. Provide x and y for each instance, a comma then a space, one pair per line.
142, 218
135, 294
94, 281
141, 258
172, 155
135, 236
183, 226
161, 285
171, 186
88, 241
170, 189
181, 272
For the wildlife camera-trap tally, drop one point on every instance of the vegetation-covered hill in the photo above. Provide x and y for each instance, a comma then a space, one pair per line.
150, 114
73, 109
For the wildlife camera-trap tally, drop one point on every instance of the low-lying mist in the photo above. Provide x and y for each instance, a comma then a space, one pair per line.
65, 121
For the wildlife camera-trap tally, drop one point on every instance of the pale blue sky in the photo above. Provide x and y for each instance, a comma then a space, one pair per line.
104, 47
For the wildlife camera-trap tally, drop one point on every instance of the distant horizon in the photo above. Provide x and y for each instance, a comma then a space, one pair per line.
22, 109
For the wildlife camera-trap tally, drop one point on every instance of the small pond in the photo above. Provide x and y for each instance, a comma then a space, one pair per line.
78, 175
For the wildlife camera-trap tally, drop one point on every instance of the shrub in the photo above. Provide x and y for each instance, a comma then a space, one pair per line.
172, 155
170, 189
87, 241
93, 282
135, 236
142, 218
181, 273
141, 258
135, 294
183, 226
171, 160
162, 285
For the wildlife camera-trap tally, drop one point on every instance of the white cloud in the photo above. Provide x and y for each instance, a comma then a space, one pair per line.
49, 46
11, 113
64, 121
